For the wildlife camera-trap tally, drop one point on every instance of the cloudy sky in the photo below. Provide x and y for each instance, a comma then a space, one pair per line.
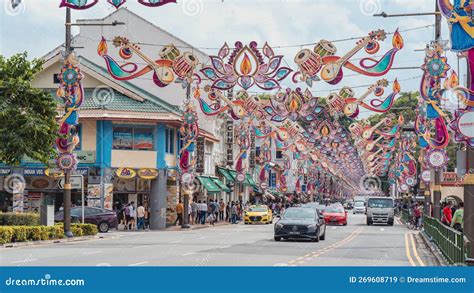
37, 26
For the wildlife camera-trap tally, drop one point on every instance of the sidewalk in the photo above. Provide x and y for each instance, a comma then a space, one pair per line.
197, 226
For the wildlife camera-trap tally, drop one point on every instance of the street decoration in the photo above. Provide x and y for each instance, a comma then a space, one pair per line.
246, 66
71, 92
173, 66
463, 126
189, 132
437, 159
86, 4
323, 60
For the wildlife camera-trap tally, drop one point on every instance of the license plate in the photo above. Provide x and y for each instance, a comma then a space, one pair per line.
333, 220
294, 233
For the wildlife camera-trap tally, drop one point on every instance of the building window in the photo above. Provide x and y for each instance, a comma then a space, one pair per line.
279, 154
257, 151
170, 140
133, 138
56, 79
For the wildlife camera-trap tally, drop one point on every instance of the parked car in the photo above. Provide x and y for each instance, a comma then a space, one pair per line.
300, 223
335, 214
104, 219
258, 214
359, 207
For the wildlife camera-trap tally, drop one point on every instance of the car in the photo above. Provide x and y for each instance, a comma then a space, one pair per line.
320, 207
359, 207
104, 219
300, 223
335, 214
258, 214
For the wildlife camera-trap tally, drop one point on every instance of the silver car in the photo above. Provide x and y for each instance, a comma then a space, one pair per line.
359, 207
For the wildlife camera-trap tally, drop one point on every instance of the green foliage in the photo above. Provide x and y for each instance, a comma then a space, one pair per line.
10, 234
405, 105
16, 219
28, 114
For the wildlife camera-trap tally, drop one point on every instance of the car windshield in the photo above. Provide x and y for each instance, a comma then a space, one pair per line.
334, 209
257, 209
321, 207
299, 213
358, 204
380, 203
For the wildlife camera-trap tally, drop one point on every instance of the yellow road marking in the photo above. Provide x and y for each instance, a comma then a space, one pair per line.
415, 252
407, 251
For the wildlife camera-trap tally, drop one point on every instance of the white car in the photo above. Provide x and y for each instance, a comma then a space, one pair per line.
359, 207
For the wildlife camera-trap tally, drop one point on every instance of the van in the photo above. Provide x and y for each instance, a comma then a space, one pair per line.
380, 210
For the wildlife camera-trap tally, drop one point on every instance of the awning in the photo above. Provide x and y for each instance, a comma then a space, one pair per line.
275, 193
209, 184
227, 175
249, 181
221, 184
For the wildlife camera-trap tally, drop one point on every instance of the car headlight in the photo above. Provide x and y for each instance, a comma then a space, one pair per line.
312, 227
278, 225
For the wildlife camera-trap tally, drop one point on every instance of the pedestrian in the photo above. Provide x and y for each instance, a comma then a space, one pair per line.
126, 213
61, 208
140, 217
147, 216
458, 218
221, 210
194, 212
179, 213
133, 215
417, 216
216, 211
234, 212
204, 209
189, 212
212, 212
447, 214
227, 212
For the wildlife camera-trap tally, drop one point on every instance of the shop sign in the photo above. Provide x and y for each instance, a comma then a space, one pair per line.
76, 182
56, 172
34, 172
84, 157
125, 173
5, 171
147, 173
466, 124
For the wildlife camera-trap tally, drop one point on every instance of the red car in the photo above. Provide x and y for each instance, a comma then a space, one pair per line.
335, 214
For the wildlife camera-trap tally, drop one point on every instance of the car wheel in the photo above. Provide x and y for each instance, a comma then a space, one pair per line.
345, 223
390, 223
277, 238
324, 236
103, 227
369, 222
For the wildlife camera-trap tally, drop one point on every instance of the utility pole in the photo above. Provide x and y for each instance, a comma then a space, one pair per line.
67, 173
185, 223
437, 173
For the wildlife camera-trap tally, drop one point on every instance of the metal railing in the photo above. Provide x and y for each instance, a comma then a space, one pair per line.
450, 242
404, 215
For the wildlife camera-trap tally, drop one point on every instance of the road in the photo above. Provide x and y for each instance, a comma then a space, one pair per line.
233, 245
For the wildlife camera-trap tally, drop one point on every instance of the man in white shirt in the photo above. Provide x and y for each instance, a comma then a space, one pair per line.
140, 217
203, 209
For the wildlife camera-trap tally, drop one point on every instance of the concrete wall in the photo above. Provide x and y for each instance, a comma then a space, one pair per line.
133, 159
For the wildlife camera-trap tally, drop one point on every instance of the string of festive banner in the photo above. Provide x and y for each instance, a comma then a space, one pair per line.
86, 4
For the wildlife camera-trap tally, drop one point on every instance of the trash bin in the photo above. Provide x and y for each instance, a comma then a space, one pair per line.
47, 215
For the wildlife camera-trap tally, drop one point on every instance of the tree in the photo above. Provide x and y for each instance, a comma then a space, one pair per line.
405, 105
27, 114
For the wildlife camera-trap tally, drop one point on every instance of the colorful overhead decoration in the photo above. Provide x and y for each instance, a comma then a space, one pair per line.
71, 92
85, 4
189, 132
173, 66
323, 60
246, 66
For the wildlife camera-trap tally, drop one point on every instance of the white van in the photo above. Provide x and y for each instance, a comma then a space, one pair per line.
380, 210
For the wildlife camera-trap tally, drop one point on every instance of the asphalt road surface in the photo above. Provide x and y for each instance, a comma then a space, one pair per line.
234, 245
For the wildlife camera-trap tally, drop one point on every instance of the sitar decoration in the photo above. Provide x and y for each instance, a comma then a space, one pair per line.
323, 60
71, 92
85, 4
246, 66
173, 66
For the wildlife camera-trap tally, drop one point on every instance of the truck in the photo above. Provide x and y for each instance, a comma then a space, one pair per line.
380, 210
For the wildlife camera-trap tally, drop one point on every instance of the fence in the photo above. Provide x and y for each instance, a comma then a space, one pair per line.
449, 241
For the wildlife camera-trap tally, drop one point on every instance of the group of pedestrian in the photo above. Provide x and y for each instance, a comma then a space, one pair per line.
133, 218
453, 216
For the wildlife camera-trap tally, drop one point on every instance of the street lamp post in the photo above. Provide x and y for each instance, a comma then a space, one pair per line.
185, 195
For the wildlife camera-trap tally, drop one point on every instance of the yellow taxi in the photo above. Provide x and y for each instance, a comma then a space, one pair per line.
258, 214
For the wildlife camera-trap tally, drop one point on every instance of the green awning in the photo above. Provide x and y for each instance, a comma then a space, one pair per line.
275, 193
225, 172
209, 184
221, 184
232, 173
249, 181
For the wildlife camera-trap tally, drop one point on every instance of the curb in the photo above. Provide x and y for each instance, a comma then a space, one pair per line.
54, 241
177, 228
434, 249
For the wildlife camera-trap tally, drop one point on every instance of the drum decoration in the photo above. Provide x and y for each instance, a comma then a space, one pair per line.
331, 68
71, 92
294, 105
189, 132
246, 66
169, 69
335, 103
85, 4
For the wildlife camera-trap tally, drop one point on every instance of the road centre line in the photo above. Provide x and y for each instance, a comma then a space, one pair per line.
407, 251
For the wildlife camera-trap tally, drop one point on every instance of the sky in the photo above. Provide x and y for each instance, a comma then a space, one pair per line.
37, 26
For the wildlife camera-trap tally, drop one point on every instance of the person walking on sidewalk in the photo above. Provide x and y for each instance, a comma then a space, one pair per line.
203, 213
227, 212
447, 214
140, 217
179, 213
234, 213
133, 216
221, 210
458, 218
194, 212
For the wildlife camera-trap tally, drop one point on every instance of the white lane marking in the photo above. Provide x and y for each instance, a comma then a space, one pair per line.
138, 264
202, 237
141, 246
280, 265
25, 260
333, 228
174, 242
189, 253
382, 229
225, 246
92, 252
